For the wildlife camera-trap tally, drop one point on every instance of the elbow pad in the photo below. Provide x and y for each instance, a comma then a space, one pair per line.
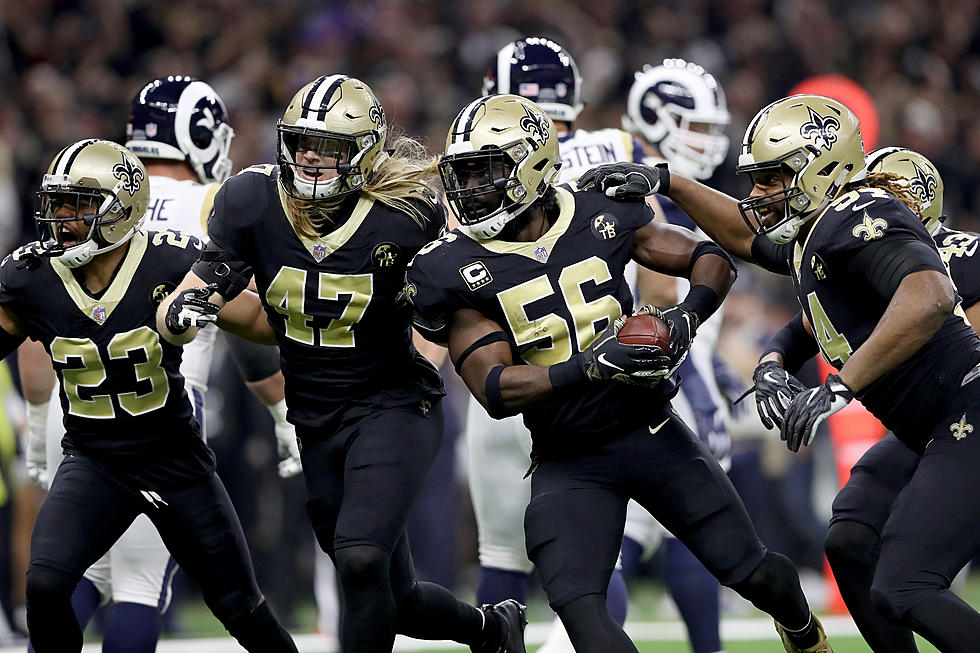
216, 266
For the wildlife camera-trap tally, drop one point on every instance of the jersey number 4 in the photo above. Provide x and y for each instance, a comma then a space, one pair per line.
287, 295
92, 373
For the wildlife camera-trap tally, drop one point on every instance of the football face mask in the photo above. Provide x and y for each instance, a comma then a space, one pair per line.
321, 162
67, 216
476, 183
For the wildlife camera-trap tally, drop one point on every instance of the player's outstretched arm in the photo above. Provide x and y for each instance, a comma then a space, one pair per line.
716, 213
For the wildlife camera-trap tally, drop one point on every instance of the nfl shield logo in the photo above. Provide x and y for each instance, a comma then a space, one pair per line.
98, 314
319, 252
151, 129
541, 253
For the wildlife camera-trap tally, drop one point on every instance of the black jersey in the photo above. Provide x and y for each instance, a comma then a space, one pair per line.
121, 392
958, 250
345, 343
552, 297
844, 309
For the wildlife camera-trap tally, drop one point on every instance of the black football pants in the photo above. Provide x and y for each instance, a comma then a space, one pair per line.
86, 510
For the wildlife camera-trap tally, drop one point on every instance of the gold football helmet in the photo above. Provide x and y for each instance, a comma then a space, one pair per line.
818, 140
923, 179
99, 182
331, 138
501, 155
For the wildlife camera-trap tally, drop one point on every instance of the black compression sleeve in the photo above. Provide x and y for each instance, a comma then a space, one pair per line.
883, 264
771, 256
794, 344
709, 247
702, 301
495, 398
218, 267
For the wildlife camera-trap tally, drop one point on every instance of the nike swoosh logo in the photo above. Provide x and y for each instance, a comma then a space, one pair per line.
858, 207
602, 359
653, 430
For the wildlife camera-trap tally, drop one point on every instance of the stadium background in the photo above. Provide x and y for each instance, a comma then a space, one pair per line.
69, 68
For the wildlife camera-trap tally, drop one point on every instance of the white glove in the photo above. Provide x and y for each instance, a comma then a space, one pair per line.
289, 461
36, 452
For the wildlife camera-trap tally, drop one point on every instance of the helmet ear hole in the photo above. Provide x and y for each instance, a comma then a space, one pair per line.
200, 136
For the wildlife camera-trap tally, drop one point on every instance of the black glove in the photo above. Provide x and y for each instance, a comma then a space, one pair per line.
607, 358
683, 325
774, 391
627, 180
811, 407
191, 308
29, 256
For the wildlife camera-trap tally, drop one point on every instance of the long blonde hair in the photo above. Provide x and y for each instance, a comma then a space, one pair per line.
892, 183
406, 173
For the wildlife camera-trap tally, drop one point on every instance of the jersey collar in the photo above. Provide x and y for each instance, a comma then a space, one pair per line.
323, 246
99, 310
540, 249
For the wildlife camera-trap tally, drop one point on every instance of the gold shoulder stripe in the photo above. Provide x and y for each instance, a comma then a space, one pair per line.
207, 205
117, 289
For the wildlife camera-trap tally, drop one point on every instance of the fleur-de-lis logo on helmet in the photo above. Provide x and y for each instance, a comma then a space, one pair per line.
535, 124
924, 184
377, 114
130, 174
821, 128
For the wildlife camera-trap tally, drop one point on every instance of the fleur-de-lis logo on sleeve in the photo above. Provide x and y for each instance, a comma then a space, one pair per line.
870, 228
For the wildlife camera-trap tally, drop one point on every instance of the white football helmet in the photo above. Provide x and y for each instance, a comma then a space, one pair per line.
680, 109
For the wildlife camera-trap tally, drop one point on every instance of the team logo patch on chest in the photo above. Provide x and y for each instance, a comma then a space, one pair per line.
160, 292
604, 226
385, 255
99, 314
870, 228
319, 252
541, 253
476, 275
961, 429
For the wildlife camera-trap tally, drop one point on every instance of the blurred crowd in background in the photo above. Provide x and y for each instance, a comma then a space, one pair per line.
70, 67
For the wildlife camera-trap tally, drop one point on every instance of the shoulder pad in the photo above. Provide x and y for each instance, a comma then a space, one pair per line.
267, 169
864, 215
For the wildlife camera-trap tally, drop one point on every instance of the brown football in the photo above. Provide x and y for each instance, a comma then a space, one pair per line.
645, 329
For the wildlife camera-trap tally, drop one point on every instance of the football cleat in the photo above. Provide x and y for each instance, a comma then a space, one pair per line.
512, 619
822, 646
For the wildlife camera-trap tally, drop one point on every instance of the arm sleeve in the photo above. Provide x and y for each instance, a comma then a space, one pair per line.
794, 344
770, 255
883, 263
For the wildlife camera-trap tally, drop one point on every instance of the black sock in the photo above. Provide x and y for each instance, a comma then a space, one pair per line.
805, 638
258, 631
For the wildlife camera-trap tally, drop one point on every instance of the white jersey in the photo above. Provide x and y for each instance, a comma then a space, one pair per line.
583, 150
184, 205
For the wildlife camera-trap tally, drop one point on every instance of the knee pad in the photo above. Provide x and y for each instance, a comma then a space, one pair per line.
45, 583
849, 544
362, 566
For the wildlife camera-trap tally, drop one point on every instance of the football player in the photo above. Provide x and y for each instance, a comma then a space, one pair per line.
328, 233
546, 73
528, 293
679, 113
882, 308
178, 126
88, 291
863, 505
